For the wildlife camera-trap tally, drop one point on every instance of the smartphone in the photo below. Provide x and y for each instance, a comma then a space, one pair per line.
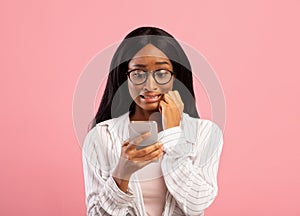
136, 128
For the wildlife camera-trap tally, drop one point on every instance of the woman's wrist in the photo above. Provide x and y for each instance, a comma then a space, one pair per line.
122, 184
121, 179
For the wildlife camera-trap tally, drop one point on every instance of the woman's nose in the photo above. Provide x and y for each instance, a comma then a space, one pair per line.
150, 84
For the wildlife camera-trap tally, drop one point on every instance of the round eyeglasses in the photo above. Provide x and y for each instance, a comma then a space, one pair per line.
139, 76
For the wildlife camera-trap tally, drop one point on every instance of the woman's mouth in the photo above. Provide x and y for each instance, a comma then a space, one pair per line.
150, 98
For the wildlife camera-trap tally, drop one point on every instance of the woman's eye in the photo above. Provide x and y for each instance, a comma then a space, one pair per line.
161, 74
138, 74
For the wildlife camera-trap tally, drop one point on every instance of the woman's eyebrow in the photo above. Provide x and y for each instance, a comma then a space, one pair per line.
163, 62
157, 63
139, 65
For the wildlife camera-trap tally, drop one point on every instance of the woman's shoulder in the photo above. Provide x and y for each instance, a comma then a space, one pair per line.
200, 123
102, 130
113, 121
198, 129
114, 127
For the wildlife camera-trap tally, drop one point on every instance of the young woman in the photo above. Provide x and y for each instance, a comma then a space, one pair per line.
150, 79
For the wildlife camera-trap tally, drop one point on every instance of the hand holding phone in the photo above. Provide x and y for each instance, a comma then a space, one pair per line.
133, 159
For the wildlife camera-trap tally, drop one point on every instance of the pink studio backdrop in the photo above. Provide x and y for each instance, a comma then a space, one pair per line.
253, 47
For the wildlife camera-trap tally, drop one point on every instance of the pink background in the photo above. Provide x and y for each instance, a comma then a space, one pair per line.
252, 45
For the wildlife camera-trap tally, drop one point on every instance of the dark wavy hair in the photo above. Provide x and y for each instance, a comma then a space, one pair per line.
116, 99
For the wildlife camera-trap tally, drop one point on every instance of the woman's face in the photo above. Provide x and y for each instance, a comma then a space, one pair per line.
148, 94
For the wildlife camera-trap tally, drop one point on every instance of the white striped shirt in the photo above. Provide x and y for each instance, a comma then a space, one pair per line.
189, 168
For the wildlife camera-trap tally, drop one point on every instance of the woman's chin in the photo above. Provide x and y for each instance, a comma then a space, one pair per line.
151, 107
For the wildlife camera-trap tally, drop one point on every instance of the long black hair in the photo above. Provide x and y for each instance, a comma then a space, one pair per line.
116, 99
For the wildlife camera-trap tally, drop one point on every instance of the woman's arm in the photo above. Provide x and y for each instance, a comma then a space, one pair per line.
103, 196
107, 173
190, 170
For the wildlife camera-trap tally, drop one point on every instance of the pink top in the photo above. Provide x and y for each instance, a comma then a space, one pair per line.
153, 188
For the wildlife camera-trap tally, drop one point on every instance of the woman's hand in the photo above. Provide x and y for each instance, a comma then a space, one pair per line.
171, 107
132, 160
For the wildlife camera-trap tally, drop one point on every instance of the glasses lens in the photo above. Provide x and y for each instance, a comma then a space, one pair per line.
162, 76
138, 76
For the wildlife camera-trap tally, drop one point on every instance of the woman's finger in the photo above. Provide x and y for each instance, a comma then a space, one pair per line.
172, 100
148, 150
148, 157
153, 154
177, 95
125, 143
162, 106
169, 100
157, 157
137, 140
172, 95
179, 100
176, 101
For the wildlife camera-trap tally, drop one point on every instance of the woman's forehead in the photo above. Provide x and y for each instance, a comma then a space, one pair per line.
150, 50
144, 61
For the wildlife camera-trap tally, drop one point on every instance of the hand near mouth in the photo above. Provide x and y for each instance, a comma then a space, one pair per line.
171, 107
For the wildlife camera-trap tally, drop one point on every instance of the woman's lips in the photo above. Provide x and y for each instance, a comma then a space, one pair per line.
150, 98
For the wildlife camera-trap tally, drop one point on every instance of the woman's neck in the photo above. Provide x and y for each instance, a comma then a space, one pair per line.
144, 115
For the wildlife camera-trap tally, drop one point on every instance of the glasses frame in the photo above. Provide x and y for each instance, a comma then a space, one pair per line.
153, 73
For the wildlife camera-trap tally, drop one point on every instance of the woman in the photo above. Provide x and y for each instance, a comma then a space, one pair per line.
150, 79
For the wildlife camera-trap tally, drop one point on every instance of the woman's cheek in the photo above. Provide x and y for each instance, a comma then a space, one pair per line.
167, 88
133, 91
135, 95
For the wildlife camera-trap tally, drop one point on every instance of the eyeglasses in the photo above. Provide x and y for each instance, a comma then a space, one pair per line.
139, 76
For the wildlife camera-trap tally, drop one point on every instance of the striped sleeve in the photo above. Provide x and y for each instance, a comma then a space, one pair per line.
103, 197
190, 170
